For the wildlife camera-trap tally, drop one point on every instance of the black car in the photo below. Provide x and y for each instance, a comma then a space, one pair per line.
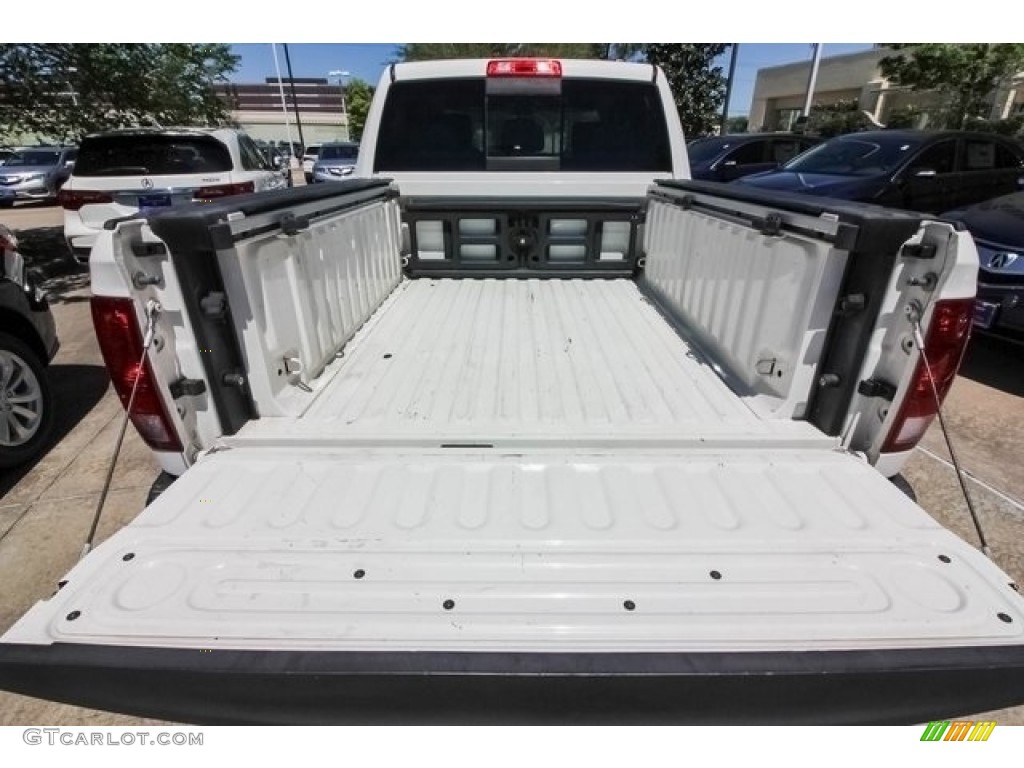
724, 158
922, 171
28, 341
998, 230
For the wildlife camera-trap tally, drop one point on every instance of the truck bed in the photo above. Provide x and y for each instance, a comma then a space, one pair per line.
497, 362
520, 499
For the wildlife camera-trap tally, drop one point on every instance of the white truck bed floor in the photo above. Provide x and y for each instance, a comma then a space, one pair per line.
496, 362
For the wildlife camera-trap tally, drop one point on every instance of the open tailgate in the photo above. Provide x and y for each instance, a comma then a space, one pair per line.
341, 585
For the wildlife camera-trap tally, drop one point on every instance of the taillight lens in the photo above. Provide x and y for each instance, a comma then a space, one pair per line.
524, 68
73, 199
204, 194
120, 339
944, 347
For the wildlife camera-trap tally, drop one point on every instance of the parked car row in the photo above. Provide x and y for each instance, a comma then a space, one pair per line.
930, 172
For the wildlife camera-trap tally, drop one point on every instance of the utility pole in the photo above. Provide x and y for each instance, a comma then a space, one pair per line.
341, 74
284, 102
728, 89
295, 99
812, 80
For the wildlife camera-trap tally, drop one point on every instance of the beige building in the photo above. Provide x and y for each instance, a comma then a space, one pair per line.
779, 91
256, 107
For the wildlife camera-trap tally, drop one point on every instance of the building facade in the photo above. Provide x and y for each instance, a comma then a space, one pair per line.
779, 91
257, 108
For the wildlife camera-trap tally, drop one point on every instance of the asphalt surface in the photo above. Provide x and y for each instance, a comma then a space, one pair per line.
46, 507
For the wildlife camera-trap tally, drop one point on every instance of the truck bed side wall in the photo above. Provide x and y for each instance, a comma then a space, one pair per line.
297, 300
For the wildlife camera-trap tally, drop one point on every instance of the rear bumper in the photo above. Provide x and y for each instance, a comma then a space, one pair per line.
230, 686
37, 190
1008, 301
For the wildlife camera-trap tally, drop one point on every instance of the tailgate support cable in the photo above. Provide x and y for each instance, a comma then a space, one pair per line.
915, 322
153, 310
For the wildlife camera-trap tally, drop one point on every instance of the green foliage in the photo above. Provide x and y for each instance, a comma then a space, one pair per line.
737, 125
904, 117
358, 95
426, 51
697, 83
963, 74
1011, 126
835, 119
64, 90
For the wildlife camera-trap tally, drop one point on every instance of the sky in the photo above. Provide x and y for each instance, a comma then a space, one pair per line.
367, 61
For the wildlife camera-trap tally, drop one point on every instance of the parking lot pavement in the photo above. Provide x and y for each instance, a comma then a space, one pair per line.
30, 215
45, 509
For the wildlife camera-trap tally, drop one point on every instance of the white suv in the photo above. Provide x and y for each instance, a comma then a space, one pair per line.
123, 172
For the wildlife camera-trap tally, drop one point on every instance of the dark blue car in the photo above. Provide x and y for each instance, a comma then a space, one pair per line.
922, 171
998, 230
734, 155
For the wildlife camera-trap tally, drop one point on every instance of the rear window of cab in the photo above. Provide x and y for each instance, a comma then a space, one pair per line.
528, 124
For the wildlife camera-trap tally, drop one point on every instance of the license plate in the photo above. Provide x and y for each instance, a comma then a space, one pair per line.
147, 202
984, 314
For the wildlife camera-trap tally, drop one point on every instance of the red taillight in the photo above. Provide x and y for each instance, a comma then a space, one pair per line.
73, 199
120, 338
217, 191
524, 68
944, 347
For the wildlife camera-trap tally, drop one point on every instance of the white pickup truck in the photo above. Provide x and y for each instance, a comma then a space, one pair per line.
521, 425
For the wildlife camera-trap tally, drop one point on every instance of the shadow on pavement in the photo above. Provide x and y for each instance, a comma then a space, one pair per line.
996, 363
76, 389
904, 485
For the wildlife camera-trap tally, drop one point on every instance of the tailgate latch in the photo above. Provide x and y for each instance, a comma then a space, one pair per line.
187, 388
877, 388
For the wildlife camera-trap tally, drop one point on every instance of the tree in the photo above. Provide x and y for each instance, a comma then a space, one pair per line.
358, 95
964, 75
836, 119
611, 51
425, 51
698, 84
64, 90
739, 124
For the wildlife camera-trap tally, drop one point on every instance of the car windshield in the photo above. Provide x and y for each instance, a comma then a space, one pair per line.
705, 150
32, 157
855, 156
151, 154
512, 124
339, 152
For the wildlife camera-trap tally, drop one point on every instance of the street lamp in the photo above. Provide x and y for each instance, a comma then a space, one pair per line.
341, 74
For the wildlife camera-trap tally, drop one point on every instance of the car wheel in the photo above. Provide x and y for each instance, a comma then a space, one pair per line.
6, 203
26, 403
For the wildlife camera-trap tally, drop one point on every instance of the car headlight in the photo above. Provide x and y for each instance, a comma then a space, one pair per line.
34, 177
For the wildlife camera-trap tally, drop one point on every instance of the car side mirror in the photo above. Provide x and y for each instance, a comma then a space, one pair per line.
279, 162
924, 173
